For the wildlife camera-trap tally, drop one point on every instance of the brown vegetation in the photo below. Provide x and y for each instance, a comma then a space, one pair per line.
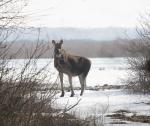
24, 99
139, 80
121, 114
88, 48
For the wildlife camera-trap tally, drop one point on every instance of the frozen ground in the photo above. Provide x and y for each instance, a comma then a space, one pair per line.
103, 71
109, 71
106, 102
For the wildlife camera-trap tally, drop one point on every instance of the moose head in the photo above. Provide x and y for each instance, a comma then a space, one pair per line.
57, 46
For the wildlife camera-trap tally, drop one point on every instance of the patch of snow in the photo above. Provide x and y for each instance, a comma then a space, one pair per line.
105, 102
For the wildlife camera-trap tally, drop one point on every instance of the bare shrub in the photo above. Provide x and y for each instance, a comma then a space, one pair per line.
139, 80
25, 98
22, 101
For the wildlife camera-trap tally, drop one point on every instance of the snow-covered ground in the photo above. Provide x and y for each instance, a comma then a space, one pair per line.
106, 102
111, 71
103, 71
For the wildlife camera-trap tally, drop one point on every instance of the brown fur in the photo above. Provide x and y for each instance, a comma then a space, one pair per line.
71, 65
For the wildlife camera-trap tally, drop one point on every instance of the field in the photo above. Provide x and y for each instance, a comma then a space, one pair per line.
102, 104
108, 105
115, 35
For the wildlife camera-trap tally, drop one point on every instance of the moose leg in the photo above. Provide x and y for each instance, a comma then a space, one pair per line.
83, 83
70, 81
61, 81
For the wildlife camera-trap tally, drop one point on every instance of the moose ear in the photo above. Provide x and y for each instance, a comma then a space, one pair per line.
61, 41
53, 41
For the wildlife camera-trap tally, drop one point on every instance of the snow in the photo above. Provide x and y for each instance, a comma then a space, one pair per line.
103, 71
111, 71
105, 102
113, 99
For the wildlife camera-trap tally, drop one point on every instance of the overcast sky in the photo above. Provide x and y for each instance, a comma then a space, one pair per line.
85, 13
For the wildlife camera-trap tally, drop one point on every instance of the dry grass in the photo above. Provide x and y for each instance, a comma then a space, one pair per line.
121, 114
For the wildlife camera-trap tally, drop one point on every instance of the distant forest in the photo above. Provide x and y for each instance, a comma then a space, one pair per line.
88, 48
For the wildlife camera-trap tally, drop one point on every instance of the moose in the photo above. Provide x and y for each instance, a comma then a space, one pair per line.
70, 65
